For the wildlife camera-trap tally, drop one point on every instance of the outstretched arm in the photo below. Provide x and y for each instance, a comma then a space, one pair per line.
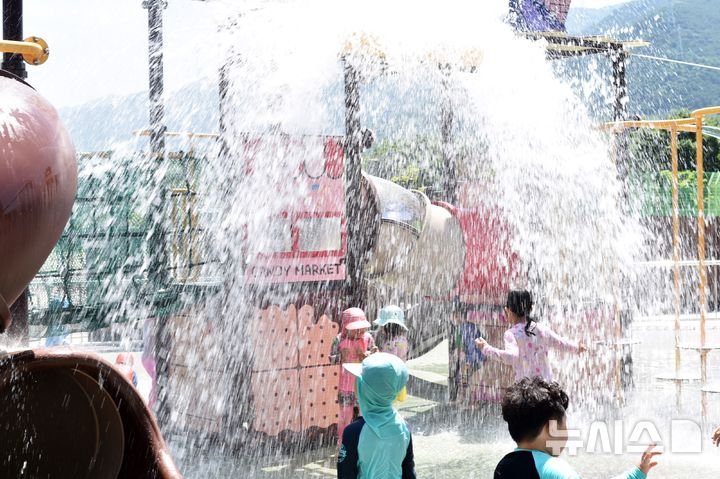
556, 341
647, 462
508, 356
556, 468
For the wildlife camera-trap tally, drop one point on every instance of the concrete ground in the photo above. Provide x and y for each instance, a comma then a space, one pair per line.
468, 444
453, 443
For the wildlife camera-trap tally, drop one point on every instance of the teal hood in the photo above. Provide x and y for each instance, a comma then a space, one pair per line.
382, 376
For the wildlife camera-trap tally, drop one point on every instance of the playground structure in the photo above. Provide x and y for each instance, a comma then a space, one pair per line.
317, 265
112, 432
46, 186
101, 428
103, 247
694, 124
467, 239
343, 237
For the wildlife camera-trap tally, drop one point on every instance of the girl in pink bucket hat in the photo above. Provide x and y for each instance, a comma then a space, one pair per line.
352, 345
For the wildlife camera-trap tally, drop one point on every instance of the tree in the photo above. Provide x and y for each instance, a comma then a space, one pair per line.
650, 149
415, 165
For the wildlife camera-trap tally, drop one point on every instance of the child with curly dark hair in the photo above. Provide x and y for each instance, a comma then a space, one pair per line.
534, 410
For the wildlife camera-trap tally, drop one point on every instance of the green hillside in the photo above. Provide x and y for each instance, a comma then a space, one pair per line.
684, 30
581, 19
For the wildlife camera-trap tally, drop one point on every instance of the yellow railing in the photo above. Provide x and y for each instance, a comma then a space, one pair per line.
694, 124
34, 50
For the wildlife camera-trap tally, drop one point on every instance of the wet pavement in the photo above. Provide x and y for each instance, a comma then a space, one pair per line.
452, 442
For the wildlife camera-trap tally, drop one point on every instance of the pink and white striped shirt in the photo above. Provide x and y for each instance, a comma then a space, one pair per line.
528, 355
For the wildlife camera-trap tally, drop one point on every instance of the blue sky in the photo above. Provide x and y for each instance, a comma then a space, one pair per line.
99, 47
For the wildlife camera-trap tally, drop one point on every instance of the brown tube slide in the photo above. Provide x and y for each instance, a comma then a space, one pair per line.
65, 413
419, 247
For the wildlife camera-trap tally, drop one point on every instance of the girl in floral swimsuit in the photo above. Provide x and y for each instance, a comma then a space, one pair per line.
527, 343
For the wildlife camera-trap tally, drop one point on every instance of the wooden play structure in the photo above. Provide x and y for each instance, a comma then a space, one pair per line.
696, 125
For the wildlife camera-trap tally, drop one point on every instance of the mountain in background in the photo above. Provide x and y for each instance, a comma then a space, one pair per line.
685, 30
584, 19
109, 122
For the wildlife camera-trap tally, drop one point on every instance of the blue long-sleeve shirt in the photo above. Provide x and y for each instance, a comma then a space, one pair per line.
530, 464
356, 455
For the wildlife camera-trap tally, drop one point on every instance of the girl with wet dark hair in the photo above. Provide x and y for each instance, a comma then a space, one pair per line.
527, 343
520, 304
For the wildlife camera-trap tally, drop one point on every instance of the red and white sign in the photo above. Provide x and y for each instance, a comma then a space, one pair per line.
293, 270
306, 238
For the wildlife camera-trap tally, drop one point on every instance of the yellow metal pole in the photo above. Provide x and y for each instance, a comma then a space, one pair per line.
701, 226
617, 320
173, 216
702, 112
699, 116
690, 125
676, 256
185, 238
701, 255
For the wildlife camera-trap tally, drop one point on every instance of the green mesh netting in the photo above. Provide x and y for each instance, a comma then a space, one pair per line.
97, 273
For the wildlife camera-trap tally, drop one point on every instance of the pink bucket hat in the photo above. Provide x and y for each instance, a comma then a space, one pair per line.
354, 318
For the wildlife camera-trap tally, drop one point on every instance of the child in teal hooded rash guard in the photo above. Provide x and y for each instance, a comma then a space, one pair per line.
378, 445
